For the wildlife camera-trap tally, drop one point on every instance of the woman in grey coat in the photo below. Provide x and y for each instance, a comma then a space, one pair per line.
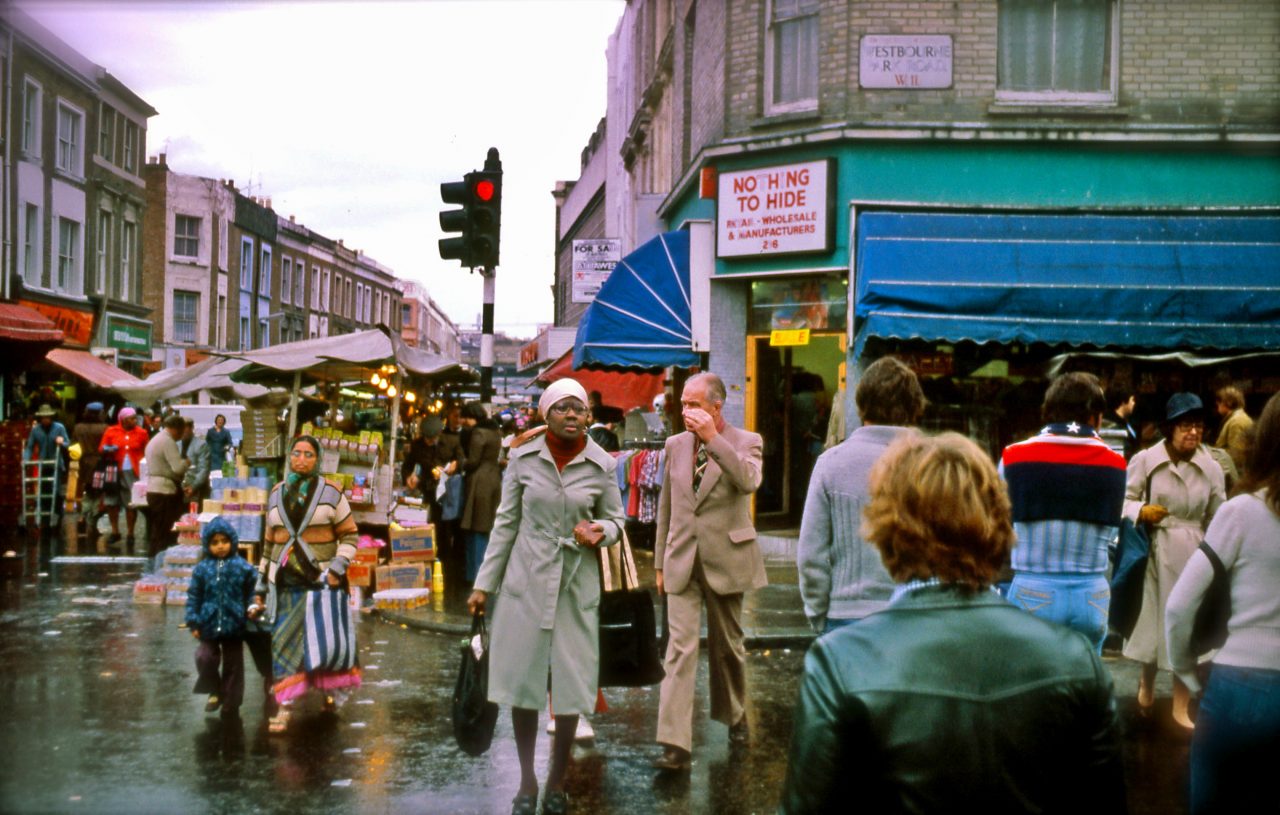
560, 503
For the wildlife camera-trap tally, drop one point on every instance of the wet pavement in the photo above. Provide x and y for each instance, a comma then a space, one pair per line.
99, 717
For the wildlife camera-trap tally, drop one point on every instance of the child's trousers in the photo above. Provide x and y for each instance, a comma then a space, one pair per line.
230, 686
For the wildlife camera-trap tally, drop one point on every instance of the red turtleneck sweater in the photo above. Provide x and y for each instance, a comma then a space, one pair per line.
564, 451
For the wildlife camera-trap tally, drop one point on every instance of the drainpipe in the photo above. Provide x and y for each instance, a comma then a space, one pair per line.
6, 265
8, 166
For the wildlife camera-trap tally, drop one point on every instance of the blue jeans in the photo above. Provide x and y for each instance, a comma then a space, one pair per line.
477, 542
1078, 601
1236, 741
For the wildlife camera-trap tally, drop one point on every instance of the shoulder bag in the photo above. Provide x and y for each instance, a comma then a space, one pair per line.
1129, 572
628, 634
1209, 628
474, 716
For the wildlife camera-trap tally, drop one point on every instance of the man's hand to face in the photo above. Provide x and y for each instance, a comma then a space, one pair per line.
701, 415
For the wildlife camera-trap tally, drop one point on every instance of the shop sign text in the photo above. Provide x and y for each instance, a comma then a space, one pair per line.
789, 336
905, 62
774, 210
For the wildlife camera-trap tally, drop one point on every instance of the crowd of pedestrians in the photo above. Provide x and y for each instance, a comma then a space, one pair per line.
962, 605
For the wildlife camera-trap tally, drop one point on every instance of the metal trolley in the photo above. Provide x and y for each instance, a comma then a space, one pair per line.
41, 499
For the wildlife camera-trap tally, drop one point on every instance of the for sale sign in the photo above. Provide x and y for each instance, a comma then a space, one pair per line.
593, 262
774, 210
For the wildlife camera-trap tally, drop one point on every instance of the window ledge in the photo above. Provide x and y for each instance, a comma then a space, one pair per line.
1094, 110
187, 261
787, 117
68, 175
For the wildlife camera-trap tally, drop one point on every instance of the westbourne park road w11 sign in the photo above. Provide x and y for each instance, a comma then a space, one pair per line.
774, 210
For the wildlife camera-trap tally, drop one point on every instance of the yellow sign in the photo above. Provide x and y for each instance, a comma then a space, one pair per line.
790, 336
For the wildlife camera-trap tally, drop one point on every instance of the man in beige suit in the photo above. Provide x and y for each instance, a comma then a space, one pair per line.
705, 553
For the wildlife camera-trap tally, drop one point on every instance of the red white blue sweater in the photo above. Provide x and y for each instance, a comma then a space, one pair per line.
1067, 489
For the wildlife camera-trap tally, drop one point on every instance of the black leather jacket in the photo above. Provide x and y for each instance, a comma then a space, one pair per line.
953, 701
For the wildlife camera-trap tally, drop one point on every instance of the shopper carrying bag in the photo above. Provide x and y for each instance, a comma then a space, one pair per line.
474, 716
628, 633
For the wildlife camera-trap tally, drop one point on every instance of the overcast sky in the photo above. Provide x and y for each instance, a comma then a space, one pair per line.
349, 115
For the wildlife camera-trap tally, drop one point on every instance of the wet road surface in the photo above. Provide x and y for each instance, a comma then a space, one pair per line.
99, 717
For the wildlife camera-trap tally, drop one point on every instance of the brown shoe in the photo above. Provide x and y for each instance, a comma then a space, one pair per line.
740, 733
673, 759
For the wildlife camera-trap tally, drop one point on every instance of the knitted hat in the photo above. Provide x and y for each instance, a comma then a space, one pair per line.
559, 390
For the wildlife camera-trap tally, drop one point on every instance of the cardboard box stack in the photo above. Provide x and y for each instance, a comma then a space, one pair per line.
412, 544
150, 590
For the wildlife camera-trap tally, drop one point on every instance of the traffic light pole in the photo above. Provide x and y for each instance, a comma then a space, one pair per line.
486, 337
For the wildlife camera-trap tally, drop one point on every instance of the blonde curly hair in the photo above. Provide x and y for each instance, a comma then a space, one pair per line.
938, 508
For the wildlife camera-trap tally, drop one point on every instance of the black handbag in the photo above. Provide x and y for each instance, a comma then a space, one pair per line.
474, 716
1209, 628
628, 634
1129, 573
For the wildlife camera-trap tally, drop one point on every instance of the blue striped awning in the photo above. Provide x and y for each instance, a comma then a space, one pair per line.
641, 317
1135, 281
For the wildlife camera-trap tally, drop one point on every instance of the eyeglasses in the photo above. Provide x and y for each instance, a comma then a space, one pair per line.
561, 408
1187, 427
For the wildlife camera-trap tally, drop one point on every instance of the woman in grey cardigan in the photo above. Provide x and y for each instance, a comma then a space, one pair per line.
560, 503
1238, 730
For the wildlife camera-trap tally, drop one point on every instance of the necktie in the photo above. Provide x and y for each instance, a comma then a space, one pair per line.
699, 467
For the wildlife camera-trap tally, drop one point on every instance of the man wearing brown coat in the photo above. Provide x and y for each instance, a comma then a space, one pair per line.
705, 554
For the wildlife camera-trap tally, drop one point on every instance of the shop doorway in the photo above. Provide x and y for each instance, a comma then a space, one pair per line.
790, 391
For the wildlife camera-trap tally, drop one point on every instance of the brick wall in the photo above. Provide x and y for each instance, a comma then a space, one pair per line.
1181, 62
155, 254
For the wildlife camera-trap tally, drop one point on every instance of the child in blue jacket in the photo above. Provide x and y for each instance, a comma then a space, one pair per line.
220, 593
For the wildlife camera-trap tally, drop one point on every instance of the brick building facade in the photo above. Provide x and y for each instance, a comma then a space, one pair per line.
74, 201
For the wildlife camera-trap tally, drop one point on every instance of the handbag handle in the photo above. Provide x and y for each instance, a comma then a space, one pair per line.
630, 577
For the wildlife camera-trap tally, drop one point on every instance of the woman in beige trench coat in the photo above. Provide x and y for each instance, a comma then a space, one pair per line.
1187, 487
560, 503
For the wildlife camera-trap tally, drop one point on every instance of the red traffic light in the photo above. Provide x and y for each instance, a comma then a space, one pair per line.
484, 189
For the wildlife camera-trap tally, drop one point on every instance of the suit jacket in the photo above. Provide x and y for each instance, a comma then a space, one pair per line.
715, 525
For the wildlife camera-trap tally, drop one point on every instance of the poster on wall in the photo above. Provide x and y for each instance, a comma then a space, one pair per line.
779, 210
593, 262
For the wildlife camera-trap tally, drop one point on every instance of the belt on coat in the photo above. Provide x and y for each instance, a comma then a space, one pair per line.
558, 577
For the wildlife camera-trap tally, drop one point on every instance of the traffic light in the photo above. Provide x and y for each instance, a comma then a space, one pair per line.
457, 220
479, 221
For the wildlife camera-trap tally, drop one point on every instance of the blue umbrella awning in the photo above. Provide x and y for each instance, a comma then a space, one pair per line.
640, 318
1136, 281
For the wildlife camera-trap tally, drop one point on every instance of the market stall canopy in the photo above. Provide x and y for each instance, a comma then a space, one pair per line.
345, 358
620, 389
26, 336
212, 374
22, 324
1134, 281
640, 318
91, 369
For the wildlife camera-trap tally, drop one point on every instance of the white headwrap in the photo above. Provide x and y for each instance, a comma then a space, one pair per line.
560, 389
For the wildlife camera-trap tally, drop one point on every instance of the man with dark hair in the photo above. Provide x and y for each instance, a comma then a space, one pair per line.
1067, 490
165, 470
1117, 424
705, 554
842, 579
